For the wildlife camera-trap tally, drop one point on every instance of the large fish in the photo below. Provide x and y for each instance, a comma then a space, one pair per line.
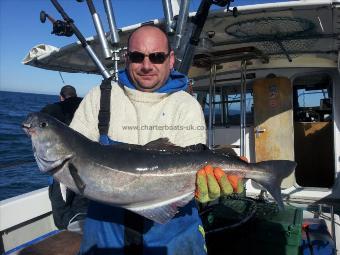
151, 180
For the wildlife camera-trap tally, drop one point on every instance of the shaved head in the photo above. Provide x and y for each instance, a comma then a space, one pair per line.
150, 26
149, 76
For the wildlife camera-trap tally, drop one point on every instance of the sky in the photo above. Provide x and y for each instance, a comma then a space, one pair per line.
21, 29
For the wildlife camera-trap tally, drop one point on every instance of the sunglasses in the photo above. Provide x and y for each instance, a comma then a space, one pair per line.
155, 57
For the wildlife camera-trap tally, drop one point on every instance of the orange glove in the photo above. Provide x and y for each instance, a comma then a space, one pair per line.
211, 183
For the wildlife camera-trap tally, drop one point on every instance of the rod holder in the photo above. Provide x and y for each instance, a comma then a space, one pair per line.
99, 28
112, 22
183, 62
169, 17
181, 22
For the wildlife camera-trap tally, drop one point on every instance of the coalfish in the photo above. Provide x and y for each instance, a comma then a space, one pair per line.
151, 180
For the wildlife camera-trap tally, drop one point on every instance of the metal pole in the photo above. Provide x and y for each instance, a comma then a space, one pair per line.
98, 63
99, 28
113, 34
222, 107
243, 108
112, 22
214, 101
183, 62
115, 61
181, 22
167, 9
333, 225
211, 112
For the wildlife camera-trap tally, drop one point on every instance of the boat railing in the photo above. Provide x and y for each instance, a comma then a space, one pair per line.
24, 218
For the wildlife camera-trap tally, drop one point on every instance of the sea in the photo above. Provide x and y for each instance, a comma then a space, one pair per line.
19, 172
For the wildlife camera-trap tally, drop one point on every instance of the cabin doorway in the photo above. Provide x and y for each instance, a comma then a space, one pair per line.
273, 121
313, 131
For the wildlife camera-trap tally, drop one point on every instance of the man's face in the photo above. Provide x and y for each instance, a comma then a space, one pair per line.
148, 76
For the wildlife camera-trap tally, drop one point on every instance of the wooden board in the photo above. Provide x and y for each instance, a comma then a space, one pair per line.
273, 115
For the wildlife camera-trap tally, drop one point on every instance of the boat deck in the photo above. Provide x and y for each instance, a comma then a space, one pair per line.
62, 243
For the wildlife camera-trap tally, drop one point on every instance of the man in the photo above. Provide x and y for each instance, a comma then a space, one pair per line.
64, 110
148, 103
67, 206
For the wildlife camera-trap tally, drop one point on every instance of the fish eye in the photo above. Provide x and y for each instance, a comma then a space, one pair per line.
43, 124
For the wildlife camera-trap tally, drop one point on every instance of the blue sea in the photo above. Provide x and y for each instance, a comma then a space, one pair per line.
19, 172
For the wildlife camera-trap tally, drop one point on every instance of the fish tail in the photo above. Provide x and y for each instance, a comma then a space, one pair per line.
277, 170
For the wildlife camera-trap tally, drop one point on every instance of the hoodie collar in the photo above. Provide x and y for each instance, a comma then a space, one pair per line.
176, 82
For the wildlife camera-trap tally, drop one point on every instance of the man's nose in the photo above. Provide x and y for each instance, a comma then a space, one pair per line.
147, 65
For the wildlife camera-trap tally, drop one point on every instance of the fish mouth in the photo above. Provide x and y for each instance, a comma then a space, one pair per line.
51, 166
28, 129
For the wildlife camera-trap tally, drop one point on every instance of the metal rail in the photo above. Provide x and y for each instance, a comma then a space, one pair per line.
113, 34
243, 106
211, 106
99, 28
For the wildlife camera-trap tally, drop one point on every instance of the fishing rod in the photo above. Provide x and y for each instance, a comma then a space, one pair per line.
68, 28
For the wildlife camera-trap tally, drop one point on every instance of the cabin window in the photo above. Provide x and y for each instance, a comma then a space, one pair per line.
226, 105
312, 104
313, 131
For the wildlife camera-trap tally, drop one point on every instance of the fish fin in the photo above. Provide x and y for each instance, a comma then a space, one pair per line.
76, 178
278, 169
161, 144
164, 211
196, 147
224, 150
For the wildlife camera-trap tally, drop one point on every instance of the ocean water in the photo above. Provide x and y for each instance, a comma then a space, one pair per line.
19, 172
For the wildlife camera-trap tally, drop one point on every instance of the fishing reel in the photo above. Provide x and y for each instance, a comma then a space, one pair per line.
60, 28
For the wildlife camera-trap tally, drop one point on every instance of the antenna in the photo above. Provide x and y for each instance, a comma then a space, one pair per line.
61, 77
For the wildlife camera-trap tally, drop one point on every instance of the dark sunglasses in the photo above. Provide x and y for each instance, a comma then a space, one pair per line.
155, 57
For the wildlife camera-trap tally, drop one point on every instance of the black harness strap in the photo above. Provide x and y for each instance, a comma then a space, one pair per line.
104, 111
133, 223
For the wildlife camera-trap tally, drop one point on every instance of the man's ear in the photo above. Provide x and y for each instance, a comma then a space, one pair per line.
172, 59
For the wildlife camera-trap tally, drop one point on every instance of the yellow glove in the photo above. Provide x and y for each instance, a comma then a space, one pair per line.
211, 183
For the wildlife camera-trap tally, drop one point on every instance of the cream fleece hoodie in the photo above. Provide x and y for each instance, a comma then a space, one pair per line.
139, 117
